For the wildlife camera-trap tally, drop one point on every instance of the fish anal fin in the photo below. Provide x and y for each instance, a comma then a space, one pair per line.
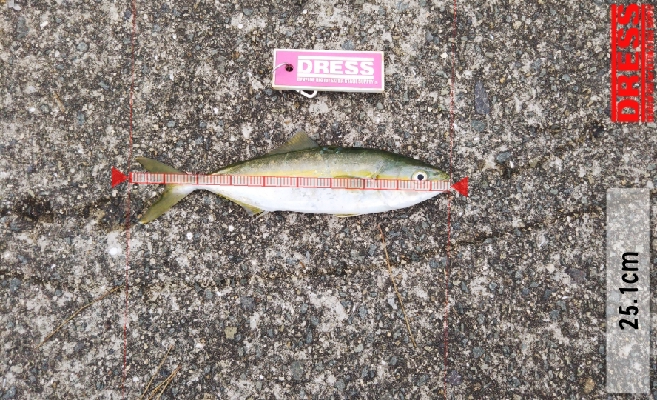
262, 215
346, 215
300, 141
250, 209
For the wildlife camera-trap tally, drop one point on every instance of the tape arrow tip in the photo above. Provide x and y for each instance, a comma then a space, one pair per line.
461, 186
117, 177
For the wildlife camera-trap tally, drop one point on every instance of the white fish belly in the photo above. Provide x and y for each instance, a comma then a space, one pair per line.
321, 200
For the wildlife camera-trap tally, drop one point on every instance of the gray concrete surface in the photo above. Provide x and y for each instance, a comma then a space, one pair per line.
293, 305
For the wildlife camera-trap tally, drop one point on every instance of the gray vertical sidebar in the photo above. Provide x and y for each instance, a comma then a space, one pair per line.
628, 285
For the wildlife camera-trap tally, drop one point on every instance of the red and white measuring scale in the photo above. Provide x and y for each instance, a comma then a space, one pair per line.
149, 178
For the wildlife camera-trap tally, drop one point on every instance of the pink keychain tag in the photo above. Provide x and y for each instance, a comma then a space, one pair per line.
328, 70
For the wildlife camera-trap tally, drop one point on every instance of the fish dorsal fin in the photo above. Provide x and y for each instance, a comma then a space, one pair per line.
156, 166
300, 141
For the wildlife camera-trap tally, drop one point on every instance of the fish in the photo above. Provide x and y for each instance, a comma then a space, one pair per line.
301, 156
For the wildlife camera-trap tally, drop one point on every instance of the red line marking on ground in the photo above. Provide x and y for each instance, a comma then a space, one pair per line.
127, 206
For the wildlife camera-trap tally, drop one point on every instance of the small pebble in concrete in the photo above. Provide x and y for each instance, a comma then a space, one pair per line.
482, 105
230, 332
454, 378
588, 386
477, 125
502, 157
348, 45
10, 394
297, 370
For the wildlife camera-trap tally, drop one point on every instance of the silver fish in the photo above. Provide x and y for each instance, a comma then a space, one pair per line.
303, 157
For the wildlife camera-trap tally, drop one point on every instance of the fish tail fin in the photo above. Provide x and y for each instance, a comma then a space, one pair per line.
171, 195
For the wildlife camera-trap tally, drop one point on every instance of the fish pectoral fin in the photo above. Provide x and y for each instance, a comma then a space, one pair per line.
363, 175
169, 198
300, 141
251, 210
354, 177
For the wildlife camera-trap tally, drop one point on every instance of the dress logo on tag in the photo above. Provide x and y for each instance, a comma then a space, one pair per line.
632, 63
344, 71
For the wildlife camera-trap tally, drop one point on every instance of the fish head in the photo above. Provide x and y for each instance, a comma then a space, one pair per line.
400, 167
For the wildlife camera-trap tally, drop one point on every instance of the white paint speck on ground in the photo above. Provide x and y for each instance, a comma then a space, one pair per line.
319, 107
254, 320
246, 130
333, 305
113, 246
112, 12
392, 301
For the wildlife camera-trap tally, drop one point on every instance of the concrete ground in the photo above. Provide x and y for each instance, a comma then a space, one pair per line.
298, 305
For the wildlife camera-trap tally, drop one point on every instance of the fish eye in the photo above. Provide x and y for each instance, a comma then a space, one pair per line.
419, 176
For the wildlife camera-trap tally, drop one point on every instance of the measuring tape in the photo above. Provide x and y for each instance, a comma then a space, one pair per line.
149, 178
